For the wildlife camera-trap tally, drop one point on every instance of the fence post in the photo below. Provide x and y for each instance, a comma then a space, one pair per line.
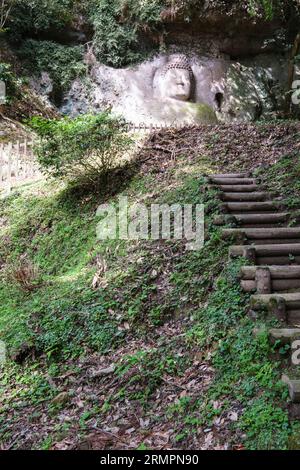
9, 167
17, 159
17, 164
1, 163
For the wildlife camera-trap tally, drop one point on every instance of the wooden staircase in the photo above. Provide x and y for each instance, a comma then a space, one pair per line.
271, 247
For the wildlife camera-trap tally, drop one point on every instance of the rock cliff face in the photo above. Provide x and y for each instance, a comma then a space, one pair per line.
224, 90
226, 27
238, 70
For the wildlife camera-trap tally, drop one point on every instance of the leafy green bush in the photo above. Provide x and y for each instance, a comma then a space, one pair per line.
266, 425
80, 149
118, 25
63, 63
267, 6
124, 30
5, 10
35, 16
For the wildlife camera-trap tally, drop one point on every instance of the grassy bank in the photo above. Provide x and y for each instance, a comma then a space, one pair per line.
133, 344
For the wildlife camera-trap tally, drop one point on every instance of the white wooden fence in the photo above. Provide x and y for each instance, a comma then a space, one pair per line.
18, 165
157, 127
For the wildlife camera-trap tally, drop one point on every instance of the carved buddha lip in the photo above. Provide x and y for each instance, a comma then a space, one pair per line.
180, 96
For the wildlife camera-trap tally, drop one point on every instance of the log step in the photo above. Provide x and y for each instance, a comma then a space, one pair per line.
270, 241
262, 233
231, 175
236, 188
262, 299
262, 236
280, 255
268, 279
256, 207
261, 219
254, 220
277, 272
275, 249
254, 196
284, 307
284, 335
276, 285
231, 181
294, 388
266, 250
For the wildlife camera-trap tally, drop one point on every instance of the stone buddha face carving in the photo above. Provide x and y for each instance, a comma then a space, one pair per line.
177, 80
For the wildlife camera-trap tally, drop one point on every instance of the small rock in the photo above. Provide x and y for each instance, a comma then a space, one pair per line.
233, 416
98, 373
61, 398
207, 430
154, 274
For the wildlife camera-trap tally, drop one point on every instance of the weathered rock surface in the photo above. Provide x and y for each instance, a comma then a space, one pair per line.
43, 85
239, 68
222, 89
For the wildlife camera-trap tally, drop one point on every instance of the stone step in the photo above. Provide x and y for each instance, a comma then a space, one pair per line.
231, 181
254, 207
254, 196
